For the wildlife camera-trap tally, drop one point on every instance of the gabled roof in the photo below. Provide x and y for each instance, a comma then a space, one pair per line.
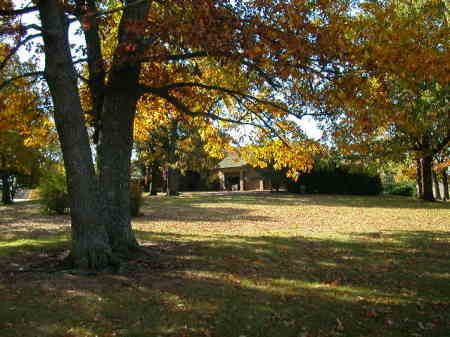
231, 160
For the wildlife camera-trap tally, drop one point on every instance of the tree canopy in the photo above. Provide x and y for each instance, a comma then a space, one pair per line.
394, 98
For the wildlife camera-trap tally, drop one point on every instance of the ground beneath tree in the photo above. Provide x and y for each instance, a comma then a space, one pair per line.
238, 264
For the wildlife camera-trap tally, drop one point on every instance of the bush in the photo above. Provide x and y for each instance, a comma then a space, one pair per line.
404, 188
135, 198
333, 179
53, 192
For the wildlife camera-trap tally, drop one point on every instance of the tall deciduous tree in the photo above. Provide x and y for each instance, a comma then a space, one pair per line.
394, 98
25, 128
261, 59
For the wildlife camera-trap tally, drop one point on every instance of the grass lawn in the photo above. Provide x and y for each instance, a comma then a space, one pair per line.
239, 265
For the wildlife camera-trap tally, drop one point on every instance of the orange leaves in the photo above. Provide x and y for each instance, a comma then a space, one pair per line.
392, 90
19, 113
403, 38
295, 157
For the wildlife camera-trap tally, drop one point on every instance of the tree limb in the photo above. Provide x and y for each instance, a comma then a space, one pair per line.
176, 57
185, 109
178, 85
14, 12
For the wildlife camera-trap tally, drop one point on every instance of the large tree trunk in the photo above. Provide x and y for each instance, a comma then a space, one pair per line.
437, 189
173, 181
427, 180
173, 174
419, 179
155, 180
147, 178
115, 153
6, 190
116, 137
90, 246
445, 183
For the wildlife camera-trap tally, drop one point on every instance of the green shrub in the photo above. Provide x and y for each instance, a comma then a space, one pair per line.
53, 192
135, 198
403, 188
332, 179
55, 198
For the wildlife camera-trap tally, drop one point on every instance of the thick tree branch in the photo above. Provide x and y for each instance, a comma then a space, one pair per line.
185, 109
179, 85
97, 74
14, 12
18, 29
32, 26
176, 57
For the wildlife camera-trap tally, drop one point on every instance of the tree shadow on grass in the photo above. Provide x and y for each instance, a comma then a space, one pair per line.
423, 255
24, 229
32, 227
395, 284
290, 199
193, 213
381, 201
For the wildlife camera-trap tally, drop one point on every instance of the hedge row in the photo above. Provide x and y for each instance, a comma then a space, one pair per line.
337, 180
404, 188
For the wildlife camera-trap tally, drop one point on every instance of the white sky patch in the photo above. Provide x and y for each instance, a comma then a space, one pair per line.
311, 128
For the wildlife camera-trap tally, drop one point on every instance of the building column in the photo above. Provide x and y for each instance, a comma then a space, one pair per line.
241, 180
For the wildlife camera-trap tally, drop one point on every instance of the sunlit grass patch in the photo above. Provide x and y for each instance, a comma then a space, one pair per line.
244, 265
14, 246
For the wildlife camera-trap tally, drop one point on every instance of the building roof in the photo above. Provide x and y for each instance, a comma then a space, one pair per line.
231, 160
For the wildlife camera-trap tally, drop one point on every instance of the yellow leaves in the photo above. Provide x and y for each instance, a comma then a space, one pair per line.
295, 157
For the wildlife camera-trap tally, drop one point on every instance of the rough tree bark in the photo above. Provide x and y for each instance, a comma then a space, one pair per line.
173, 181
100, 206
155, 180
427, 181
437, 189
445, 183
116, 137
6, 190
419, 179
147, 178
115, 153
173, 174
90, 245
